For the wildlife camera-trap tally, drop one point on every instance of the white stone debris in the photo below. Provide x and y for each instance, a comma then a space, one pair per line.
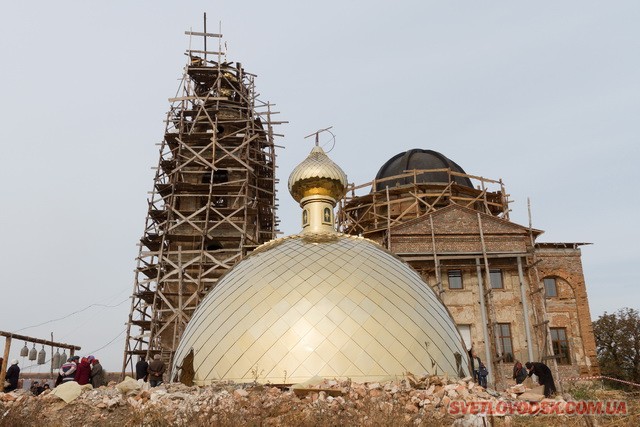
419, 399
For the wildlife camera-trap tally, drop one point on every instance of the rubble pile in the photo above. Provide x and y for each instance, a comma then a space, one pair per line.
413, 400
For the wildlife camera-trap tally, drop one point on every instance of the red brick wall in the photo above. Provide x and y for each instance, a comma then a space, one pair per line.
571, 308
456, 233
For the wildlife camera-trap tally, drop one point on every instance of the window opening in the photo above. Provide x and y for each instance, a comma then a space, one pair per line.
326, 218
560, 345
550, 287
465, 331
455, 279
503, 332
495, 274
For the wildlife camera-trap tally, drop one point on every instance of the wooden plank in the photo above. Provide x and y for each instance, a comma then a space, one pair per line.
199, 33
193, 98
205, 52
540, 289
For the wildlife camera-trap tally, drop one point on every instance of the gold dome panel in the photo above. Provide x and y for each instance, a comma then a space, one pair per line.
334, 306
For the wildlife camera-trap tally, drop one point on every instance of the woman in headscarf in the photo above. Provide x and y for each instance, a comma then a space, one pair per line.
519, 373
83, 373
97, 374
11, 378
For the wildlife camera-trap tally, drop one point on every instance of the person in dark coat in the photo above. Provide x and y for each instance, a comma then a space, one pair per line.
36, 388
156, 370
519, 373
83, 373
12, 376
545, 378
483, 372
142, 369
97, 374
480, 371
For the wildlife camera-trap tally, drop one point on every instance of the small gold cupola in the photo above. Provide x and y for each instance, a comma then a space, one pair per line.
317, 184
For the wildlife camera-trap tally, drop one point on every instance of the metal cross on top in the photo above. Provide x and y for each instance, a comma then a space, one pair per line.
317, 134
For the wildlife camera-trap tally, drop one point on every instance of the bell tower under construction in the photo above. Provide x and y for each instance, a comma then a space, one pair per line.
213, 198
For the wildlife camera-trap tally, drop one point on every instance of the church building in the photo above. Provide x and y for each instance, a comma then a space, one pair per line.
511, 296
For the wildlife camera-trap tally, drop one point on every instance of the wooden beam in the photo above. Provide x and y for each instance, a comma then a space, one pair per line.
206, 52
537, 325
540, 289
193, 98
39, 341
198, 33
7, 347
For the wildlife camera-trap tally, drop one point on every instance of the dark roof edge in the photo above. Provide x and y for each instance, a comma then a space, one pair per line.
561, 245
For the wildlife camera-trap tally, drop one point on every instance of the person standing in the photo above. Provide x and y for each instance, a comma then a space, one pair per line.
97, 374
83, 373
142, 369
545, 378
68, 370
477, 365
483, 372
156, 370
12, 376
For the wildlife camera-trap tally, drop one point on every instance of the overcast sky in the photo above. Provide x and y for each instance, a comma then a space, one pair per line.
543, 94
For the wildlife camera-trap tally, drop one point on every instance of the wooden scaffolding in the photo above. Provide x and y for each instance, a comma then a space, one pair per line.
379, 204
213, 198
374, 208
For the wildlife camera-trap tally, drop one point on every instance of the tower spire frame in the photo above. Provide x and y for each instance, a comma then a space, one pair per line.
213, 198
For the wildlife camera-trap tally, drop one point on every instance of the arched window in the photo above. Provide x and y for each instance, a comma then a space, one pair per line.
305, 218
326, 218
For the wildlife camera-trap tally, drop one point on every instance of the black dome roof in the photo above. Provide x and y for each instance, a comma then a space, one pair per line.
420, 159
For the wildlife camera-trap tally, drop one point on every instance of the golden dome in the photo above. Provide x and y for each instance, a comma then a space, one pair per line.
317, 175
321, 305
